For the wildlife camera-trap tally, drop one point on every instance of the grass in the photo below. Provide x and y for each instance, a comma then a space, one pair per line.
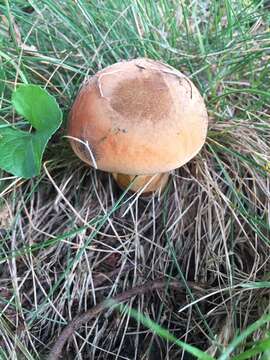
69, 238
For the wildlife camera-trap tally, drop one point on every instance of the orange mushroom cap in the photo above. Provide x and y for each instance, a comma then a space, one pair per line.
138, 117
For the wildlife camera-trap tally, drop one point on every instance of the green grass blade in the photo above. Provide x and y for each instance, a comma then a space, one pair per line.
163, 333
243, 335
257, 348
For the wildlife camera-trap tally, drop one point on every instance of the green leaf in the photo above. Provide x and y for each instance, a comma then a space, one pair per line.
21, 151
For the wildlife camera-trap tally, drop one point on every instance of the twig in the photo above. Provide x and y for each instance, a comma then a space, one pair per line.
78, 321
99, 81
87, 146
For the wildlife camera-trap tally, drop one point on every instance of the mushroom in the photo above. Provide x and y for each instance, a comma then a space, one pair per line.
139, 120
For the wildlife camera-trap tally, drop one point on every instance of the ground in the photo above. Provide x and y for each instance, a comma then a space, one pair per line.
70, 238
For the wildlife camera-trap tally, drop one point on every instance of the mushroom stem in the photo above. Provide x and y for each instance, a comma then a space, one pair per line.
143, 183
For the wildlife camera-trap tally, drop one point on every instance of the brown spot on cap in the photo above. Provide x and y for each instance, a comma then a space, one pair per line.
144, 97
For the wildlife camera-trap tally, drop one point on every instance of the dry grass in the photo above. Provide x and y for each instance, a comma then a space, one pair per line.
69, 239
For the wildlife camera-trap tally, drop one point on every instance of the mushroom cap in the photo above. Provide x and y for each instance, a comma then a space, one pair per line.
138, 117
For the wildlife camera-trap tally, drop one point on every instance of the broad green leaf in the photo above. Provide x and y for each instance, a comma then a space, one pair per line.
38, 107
21, 151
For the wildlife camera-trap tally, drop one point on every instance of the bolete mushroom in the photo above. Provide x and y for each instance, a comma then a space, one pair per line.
138, 118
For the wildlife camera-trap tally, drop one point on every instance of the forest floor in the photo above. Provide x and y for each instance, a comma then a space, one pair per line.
198, 254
